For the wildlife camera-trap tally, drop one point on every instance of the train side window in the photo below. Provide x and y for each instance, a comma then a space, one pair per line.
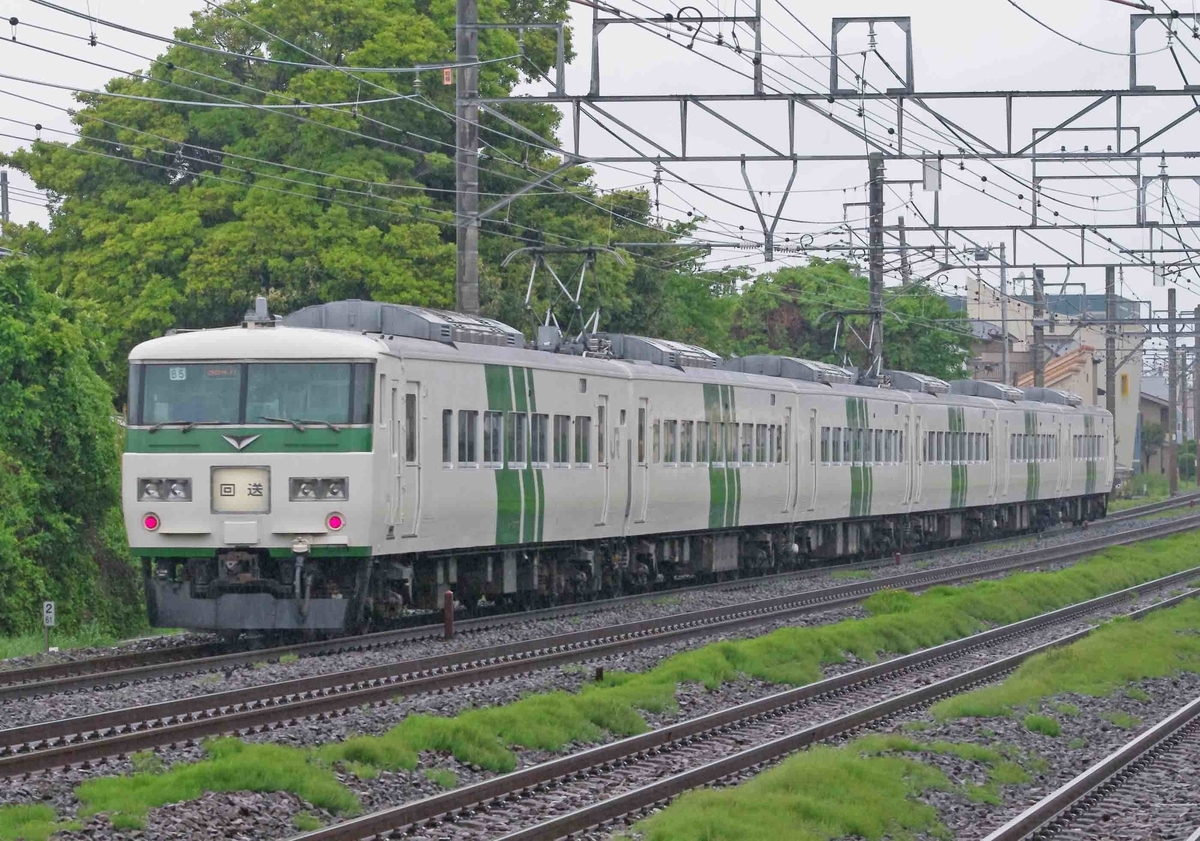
747, 443
686, 433
837, 445
879, 445
940, 452
562, 440
447, 437
601, 417
410, 428
670, 441
641, 436
382, 420
493, 439
717, 435
825, 445
847, 446
927, 447
539, 426
760, 443
515, 448
656, 442
468, 433
583, 440
900, 444
889, 446
731, 443
701, 442
787, 442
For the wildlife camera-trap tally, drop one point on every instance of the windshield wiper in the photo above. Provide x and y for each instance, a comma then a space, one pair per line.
185, 426
297, 425
325, 424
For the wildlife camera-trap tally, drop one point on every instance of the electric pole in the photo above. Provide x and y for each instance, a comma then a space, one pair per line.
1172, 397
1196, 377
1110, 341
1004, 317
4, 196
1039, 328
875, 200
466, 157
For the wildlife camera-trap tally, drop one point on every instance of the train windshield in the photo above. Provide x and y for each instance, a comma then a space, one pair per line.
250, 393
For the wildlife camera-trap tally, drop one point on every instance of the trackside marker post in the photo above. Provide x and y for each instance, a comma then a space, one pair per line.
448, 613
47, 620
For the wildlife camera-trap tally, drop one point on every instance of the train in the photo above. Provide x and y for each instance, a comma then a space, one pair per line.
348, 464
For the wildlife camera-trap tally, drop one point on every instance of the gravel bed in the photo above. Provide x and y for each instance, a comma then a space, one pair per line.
18, 712
157, 642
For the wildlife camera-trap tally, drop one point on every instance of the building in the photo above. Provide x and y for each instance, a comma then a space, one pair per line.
1152, 409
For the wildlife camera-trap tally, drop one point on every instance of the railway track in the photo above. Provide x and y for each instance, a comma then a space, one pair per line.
1126, 787
185, 661
90, 738
595, 789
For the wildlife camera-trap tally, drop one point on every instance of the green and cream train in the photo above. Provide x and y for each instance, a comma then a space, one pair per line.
333, 468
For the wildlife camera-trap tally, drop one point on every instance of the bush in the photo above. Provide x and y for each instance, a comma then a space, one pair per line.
1043, 724
61, 536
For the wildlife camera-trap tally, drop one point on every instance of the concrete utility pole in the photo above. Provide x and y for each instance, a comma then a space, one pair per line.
466, 157
1196, 378
1183, 389
1004, 316
905, 271
4, 196
1110, 341
1172, 395
1039, 329
875, 200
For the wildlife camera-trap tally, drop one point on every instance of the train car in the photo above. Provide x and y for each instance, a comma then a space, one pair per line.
332, 469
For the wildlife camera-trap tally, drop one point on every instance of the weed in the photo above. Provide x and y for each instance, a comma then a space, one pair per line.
1121, 720
147, 762
1043, 724
442, 777
232, 766
1066, 709
29, 823
261, 664
306, 822
1136, 693
287, 659
915, 726
666, 601
363, 772
215, 677
25, 645
923, 564
1077, 743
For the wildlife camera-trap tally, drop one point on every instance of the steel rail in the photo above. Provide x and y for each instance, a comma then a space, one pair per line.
1062, 804
493, 792
41, 746
186, 661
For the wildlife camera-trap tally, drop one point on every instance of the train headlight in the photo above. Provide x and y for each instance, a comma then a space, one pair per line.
307, 489
165, 490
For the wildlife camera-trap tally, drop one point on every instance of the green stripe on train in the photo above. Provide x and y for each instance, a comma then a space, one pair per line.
520, 513
724, 482
862, 479
210, 439
958, 472
1089, 428
1033, 471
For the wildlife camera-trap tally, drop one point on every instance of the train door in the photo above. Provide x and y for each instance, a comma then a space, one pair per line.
918, 460
787, 449
1060, 475
1005, 453
813, 460
994, 485
390, 433
908, 475
409, 460
602, 461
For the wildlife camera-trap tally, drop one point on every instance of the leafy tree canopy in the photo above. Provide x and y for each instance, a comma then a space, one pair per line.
793, 311
60, 532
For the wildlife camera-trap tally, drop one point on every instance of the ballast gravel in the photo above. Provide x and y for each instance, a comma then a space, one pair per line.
23, 711
202, 820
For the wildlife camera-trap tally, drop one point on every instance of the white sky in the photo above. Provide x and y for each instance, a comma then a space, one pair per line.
980, 45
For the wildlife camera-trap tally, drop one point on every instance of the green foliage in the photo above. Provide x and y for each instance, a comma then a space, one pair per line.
1163, 643
787, 312
306, 822
147, 762
288, 659
850, 574
1136, 693
30, 823
1121, 720
1043, 724
61, 536
232, 766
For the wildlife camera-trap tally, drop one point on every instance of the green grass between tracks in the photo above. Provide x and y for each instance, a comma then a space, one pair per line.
866, 789
898, 623
30, 823
87, 636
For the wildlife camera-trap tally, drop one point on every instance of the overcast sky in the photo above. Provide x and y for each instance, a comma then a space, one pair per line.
980, 45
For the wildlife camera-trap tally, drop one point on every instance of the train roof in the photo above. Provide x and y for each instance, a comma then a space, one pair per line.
230, 343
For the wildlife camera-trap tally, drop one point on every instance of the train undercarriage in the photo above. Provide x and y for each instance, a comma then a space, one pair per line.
258, 590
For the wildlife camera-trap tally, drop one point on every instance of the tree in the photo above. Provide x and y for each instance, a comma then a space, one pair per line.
175, 213
793, 312
1153, 438
61, 535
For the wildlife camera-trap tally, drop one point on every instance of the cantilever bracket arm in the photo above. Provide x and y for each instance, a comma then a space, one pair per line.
769, 231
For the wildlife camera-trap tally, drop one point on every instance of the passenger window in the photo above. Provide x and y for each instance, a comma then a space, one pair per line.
493, 439
701, 442
837, 444
685, 441
825, 445
539, 426
731, 443
760, 443
562, 440
410, 428
447, 437
847, 446
468, 423
671, 439
583, 440
879, 445
515, 449
747, 443
641, 436
657, 442
601, 455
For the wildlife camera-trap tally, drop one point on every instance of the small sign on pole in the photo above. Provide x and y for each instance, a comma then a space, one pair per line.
447, 76
47, 620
